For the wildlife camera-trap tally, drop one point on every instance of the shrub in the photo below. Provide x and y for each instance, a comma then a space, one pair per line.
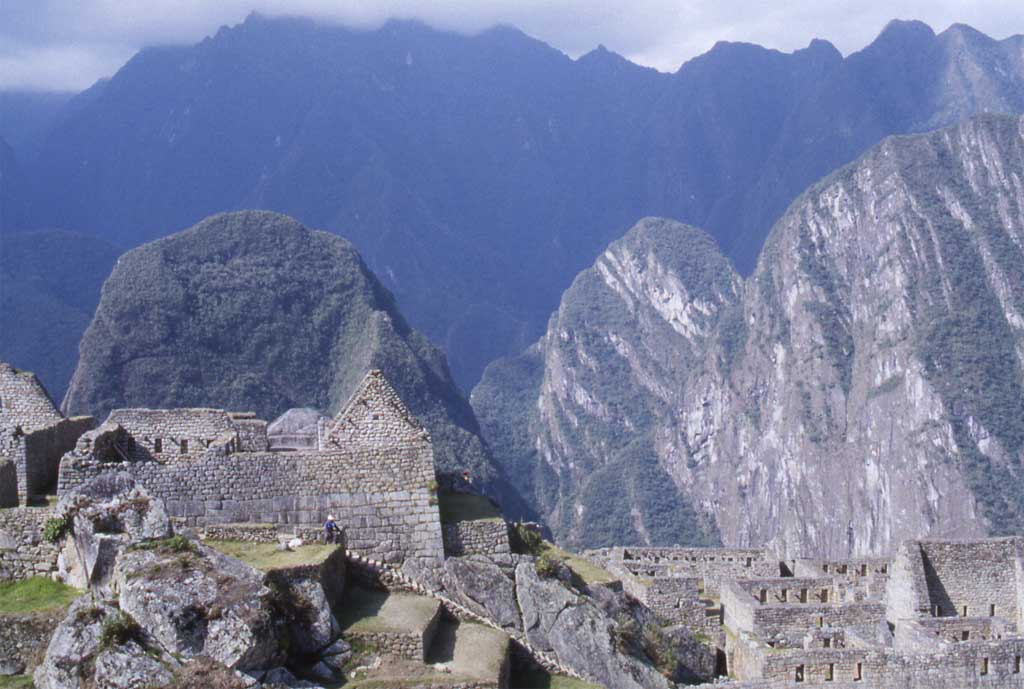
525, 541
56, 528
546, 566
118, 629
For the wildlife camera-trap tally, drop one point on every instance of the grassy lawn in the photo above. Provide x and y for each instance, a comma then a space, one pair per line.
266, 556
37, 594
541, 680
457, 507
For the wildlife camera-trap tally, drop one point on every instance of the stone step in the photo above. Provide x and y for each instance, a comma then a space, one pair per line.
471, 653
398, 624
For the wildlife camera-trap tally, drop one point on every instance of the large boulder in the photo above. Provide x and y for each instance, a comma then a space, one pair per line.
309, 624
583, 635
106, 514
198, 602
98, 646
480, 583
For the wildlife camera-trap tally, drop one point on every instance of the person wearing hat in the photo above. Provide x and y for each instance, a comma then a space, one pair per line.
331, 529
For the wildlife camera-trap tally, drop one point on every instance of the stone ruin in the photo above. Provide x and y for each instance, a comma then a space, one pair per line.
371, 466
33, 438
940, 614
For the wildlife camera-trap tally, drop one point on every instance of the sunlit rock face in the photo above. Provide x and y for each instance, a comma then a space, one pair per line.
862, 387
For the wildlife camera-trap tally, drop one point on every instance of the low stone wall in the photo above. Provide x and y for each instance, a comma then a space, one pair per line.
23, 640
714, 566
477, 537
249, 533
23, 552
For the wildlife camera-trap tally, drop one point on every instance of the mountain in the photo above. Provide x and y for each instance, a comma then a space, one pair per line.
865, 385
13, 190
251, 311
27, 116
575, 419
479, 174
49, 287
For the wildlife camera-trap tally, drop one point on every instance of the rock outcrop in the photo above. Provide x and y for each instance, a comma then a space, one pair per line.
864, 386
586, 630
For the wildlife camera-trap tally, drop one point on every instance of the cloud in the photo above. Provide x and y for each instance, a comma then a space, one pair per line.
68, 44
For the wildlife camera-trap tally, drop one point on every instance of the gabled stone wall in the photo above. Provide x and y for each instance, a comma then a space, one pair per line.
24, 402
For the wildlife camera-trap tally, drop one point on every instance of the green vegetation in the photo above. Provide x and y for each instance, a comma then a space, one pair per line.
547, 567
378, 611
37, 594
16, 682
56, 528
460, 507
266, 556
166, 546
588, 572
119, 629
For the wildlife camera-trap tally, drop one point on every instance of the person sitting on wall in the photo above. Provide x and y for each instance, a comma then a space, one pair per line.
331, 530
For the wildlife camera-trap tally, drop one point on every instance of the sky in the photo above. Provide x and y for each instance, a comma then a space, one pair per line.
69, 44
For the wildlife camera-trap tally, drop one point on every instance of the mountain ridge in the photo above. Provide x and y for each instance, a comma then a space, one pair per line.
862, 387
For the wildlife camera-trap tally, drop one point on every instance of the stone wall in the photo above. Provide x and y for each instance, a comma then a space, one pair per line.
476, 537
172, 431
411, 645
962, 666
972, 578
24, 402
713, 566
23, 640
248, 533
380, 496
374, 417
934, 634
252, 432
23, 553
45, 447
744, 611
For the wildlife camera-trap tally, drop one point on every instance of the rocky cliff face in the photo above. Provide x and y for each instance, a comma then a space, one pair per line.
862, 387
252, 311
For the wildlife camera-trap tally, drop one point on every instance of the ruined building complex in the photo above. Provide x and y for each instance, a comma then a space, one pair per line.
938, 614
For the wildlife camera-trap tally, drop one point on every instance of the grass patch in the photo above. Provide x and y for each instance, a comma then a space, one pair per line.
266, 556
542, 680
586, 570
37, 594
165, 546
368, 611
16, 682
459, 507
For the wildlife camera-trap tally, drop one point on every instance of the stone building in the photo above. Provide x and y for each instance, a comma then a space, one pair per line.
372, 467
33, 437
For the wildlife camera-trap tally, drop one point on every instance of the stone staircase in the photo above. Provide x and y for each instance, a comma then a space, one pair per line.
395, 578
404, 640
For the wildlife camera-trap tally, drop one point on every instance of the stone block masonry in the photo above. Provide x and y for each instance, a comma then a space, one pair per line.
476, 537
33, 436
23, 552
201, 463
24, 638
